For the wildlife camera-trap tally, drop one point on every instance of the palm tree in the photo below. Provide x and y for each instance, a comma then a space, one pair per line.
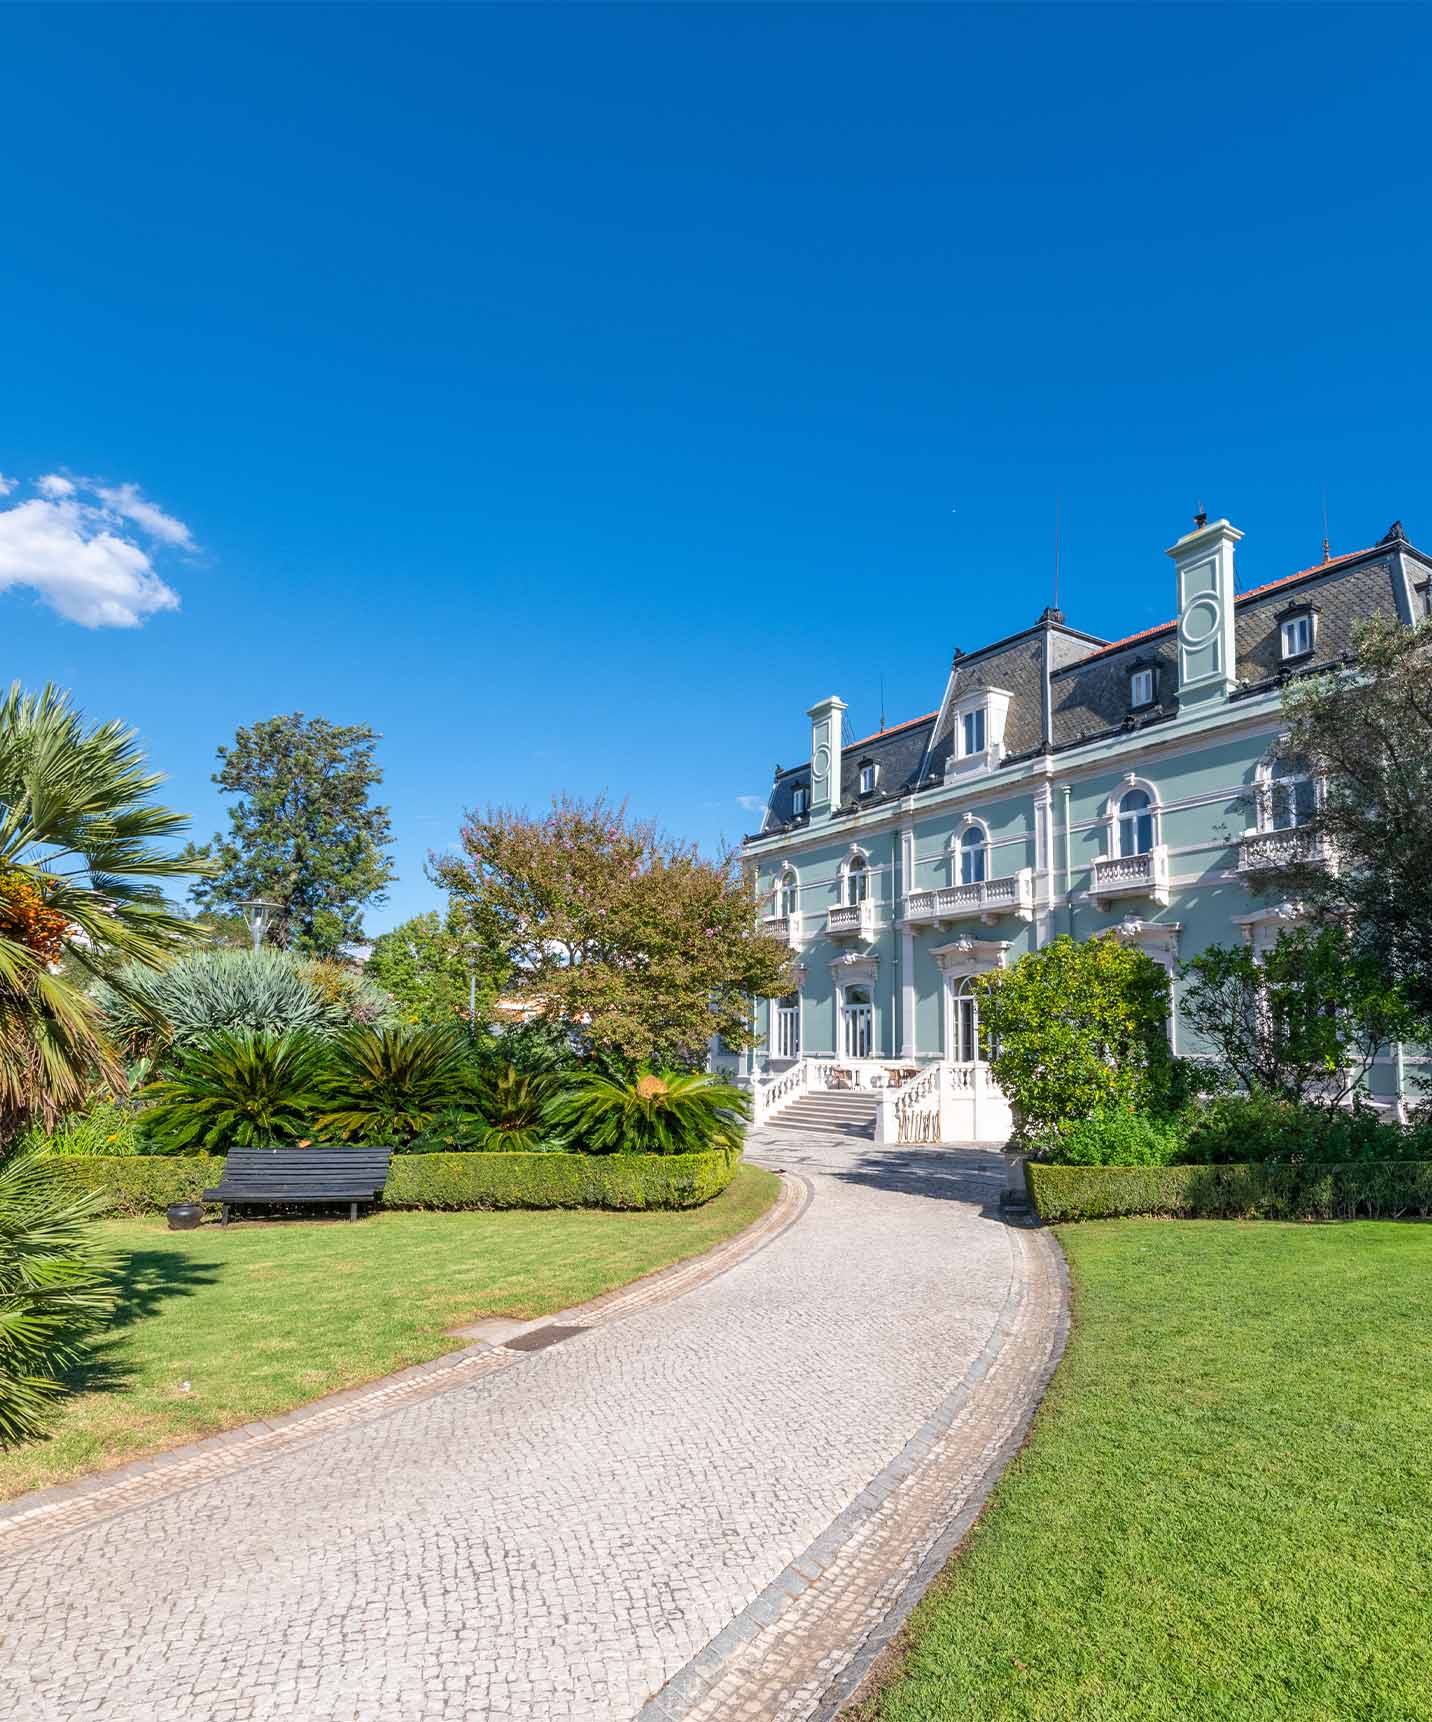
238, 1089
671, 1112
78, 863
388, 1084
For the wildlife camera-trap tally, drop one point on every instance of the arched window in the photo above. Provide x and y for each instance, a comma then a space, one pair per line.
973, 849
1136, 822
858, 1022
857, 881
1292, 799
965, 1023
787, 894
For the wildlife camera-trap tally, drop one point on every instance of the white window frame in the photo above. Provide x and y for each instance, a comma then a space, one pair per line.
1141, 689
959, 848
1115, 809
1292, 629
787, 1026
867, 779
857, 862
788, 892
968, 718
853, 1013
800, 800
1266, 799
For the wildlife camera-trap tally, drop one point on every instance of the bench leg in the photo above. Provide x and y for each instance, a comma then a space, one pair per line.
352, 1210
224, 1218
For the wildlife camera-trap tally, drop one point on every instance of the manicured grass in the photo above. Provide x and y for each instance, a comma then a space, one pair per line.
1226, 1507
259, 1318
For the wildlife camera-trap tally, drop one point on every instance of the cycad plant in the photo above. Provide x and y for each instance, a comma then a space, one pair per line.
515, 1104
54, 1287
666, 1112
78, 896
237, 1090
386, 1085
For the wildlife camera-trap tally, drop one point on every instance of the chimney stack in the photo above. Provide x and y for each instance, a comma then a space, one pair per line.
825, 744
1207, 654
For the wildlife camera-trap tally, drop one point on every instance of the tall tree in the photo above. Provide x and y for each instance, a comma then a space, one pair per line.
428, 965
1368, 731
303, 833
612, 926
80, 865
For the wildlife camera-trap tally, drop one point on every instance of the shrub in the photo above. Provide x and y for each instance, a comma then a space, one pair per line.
388, 1084
53, 1287
264, 992
1117, 1136
676, 1112
107, 1127
1074, 1028
515, 1104
444, 1180
1237, 1128
240, 1090
1372, 1190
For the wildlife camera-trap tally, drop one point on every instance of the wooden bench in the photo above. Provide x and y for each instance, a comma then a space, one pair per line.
292, 1177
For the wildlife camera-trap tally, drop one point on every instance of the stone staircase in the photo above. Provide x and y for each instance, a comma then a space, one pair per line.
839, 1113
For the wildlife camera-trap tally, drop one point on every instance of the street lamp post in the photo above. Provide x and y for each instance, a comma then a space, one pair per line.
259, 913
471, 947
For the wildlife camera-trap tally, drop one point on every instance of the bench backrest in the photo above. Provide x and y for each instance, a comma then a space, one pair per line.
315, 1169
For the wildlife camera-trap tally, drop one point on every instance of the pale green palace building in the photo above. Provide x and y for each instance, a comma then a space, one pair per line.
1066, 784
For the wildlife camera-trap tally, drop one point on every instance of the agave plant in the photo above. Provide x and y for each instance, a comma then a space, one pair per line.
666, 1112
78, 898
515, 1103
53, 1287
238, 1090
388, 1084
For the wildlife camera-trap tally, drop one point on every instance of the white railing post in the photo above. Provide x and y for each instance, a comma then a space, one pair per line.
887, 1115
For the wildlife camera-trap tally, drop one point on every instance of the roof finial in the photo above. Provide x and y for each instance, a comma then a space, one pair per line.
1327, 550
1201, 518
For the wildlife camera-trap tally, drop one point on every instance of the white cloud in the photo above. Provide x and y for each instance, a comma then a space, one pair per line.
126, 501
751, 803
7, 484
75, 559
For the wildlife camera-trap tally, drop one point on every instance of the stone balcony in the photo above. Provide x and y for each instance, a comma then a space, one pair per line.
984, 901
851, 921
1258, 851
785, 927
1118, 876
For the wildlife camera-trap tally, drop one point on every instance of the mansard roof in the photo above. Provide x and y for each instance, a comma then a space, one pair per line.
1067, 688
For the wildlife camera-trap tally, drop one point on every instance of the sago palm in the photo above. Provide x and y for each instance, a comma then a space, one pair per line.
388, 1084
670, 1112
514, 1102
54, 1287
79, 861
237, 1090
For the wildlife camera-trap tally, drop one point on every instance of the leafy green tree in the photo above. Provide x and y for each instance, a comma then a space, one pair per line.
54, 1287
1076, 1028
607, 924
1304, 1021
303, 833
1368, 731
427, 965
671, 1112
81, 858
236, 1090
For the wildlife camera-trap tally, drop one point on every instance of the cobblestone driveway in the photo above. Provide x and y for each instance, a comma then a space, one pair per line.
717, 1506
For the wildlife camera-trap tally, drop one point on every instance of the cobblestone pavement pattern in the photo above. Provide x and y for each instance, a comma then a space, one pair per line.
709, 1507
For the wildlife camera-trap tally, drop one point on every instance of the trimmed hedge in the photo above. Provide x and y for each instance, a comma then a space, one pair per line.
1376, 1190
145, 1184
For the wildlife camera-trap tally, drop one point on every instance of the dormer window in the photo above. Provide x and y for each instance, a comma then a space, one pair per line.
867, 777
800, 800
972, 731
1296, 634
1141, 689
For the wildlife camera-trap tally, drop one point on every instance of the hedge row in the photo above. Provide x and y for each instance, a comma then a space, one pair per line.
1376, 1190
147, 1184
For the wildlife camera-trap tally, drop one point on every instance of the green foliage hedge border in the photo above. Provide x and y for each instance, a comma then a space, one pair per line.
144, 1184
1377, 1190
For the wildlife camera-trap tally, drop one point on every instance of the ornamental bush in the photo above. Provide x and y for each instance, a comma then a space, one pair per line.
1077, 1028
1236, 1128
1117, 1136
1392, 1189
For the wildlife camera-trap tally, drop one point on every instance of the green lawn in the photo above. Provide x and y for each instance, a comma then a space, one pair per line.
259, 1318
1226, 1507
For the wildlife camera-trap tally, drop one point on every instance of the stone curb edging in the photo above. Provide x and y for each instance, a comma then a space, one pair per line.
54, 1512
802, 1649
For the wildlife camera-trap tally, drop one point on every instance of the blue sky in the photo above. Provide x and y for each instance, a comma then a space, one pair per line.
576, 394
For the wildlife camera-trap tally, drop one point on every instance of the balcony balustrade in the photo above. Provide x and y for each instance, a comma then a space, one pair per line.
1260, 850
1143, 875
985, 900
787, 927
850, 921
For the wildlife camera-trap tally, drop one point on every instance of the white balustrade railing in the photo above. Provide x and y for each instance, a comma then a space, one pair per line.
1261, 849
918, 1110
849, 920
1143, 875
982, 900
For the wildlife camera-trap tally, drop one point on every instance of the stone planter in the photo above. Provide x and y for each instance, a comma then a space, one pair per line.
185, 1216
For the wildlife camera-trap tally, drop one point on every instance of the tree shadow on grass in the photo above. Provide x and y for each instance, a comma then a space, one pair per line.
145, 1282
